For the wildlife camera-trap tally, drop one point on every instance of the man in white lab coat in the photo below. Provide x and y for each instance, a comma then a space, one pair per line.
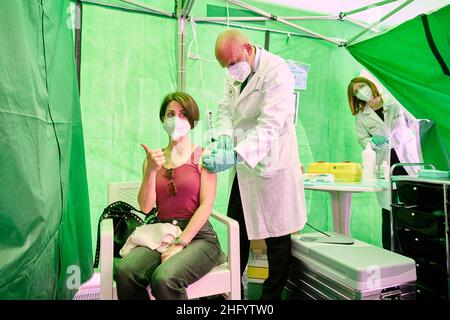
257, 140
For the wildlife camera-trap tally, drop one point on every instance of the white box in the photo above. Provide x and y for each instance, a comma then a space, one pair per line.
348, 271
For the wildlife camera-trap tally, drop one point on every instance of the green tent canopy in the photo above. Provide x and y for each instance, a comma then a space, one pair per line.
412, 61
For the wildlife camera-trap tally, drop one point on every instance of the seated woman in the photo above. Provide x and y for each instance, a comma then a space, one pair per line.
184, 194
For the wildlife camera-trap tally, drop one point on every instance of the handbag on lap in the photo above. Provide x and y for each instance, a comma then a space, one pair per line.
125, 221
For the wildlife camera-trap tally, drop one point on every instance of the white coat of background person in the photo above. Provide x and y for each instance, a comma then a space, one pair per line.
393, 138
257, 138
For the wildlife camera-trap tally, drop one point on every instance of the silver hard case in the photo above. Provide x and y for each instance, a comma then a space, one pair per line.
358, 271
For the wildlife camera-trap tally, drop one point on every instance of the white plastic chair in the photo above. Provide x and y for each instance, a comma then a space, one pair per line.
223, 279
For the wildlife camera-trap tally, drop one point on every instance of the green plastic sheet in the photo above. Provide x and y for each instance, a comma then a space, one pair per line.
45, 239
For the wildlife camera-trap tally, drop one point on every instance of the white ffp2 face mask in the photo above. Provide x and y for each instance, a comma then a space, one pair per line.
176, 127
240, 71
364, 93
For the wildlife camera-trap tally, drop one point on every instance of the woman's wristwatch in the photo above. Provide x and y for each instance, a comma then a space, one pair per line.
178, 240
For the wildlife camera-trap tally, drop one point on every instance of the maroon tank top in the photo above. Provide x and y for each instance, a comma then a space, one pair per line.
186, 179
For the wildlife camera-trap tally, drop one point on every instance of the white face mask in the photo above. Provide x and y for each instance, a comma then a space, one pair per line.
240, 71
176, 127
364, 93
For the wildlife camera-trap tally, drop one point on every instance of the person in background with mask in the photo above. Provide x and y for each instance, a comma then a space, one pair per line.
184, 193
382, 122
257, 141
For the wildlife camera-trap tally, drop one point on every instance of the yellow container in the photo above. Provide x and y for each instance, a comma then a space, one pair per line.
346, 171
257, 272
319, 167
342, 171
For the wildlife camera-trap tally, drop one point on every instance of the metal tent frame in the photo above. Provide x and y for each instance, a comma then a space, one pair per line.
182, 9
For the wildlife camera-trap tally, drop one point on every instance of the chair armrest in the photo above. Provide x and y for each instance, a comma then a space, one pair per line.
106, 259
233, 252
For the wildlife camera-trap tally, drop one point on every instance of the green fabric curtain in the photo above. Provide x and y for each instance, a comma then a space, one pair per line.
412, 61
45, 239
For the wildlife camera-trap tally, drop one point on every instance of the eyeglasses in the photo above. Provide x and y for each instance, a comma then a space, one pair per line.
171, 186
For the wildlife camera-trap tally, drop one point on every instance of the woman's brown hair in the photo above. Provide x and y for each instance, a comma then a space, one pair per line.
356, 105
187, 102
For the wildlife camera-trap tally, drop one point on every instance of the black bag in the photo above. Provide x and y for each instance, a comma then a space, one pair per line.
125, 221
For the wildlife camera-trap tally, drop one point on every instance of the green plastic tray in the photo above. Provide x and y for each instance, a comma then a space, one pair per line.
428, 173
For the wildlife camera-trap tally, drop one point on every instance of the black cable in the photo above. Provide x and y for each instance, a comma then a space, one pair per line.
318, 230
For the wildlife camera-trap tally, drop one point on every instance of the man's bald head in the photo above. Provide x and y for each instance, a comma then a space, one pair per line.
231, 46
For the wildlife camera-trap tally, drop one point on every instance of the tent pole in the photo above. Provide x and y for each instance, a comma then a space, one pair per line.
206, 19
181, 48
379, 21
78, 22
253, 28
361, 24
250, 19
265, 19
344, 14
261, 29
148, 8
281, 20
125, 8
187, 8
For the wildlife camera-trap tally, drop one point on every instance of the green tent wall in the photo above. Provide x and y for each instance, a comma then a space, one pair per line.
45, 246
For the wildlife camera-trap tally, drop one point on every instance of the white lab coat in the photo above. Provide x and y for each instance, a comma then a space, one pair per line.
398, 127
261, 121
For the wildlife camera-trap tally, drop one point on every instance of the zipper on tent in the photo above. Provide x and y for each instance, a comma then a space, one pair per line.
55, 289
433, 47
78, 35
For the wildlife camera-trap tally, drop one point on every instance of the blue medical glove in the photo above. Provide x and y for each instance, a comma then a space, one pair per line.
379, 140
224, 142
219, 160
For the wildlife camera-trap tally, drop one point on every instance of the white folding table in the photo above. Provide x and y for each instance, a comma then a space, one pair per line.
341, 198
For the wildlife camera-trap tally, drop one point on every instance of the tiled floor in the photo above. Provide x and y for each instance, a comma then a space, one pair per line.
89, 290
